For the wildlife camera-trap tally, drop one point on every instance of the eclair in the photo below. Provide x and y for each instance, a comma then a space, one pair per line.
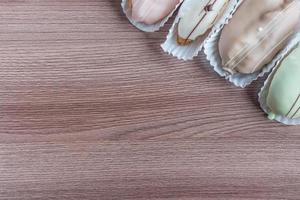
151, 11
283, 96
198, 22
258, 30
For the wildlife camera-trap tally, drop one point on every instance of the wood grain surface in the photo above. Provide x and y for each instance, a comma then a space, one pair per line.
91, 108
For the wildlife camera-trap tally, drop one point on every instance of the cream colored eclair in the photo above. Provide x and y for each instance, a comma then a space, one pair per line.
151, 11
199, 20
257, 32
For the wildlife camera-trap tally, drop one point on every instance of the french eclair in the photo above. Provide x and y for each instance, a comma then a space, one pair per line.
283, 96
258, 30
199, 20
151, 11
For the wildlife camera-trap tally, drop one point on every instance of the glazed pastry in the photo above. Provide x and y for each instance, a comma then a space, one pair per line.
198, 22
257, 32
151, 11
283, 96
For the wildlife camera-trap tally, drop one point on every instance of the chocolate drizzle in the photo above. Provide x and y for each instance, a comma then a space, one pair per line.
207, 8
294, 104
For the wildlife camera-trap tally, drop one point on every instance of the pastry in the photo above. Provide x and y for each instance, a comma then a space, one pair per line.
257, 32
283, 97
198, 22
151, 11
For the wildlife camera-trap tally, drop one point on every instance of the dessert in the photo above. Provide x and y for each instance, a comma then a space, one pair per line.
198, 21
257, 32
283, 96
151, 11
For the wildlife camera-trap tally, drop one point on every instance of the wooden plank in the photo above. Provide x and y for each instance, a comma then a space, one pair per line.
173, 169
91, 108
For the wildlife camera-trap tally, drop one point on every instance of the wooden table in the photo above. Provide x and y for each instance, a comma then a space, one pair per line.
91, 108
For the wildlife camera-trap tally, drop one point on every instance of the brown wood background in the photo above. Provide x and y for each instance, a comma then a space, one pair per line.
91, 108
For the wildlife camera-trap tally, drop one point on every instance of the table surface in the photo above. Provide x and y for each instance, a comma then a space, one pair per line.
91, 108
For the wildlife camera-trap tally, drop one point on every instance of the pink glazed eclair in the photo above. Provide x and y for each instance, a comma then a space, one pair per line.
151, 11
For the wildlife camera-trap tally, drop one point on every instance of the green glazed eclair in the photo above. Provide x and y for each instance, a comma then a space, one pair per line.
283, 97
